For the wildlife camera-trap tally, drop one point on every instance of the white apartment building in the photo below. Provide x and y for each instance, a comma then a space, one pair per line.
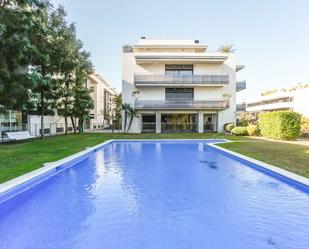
102, 94
295, 99
179, 86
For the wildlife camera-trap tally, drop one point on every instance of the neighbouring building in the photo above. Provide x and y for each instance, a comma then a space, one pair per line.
102, 94
178, 85
295, 99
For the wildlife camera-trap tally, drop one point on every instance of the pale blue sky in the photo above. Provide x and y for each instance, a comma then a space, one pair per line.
271, 36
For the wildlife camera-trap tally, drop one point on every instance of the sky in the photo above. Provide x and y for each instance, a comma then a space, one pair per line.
271, 36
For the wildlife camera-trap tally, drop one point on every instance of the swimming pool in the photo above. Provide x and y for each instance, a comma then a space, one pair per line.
157, 194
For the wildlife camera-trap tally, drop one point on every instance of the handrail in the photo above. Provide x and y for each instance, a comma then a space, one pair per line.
182, 104
181, 79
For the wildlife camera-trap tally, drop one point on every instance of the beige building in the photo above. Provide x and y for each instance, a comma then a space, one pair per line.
179, 86
295, 99
102, 94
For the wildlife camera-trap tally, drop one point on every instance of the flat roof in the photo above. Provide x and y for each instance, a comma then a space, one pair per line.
167, 43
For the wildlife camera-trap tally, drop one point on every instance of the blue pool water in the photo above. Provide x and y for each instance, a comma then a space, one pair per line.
154, 195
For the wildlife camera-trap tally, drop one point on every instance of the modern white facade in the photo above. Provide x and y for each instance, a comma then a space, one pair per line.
295, 99
178, 85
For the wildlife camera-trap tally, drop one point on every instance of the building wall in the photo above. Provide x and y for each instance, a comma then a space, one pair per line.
130, 67
102, 96
299, 104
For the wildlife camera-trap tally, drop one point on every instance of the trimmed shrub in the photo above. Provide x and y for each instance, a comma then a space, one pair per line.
252, 130
228, 127
282, 125
239, 131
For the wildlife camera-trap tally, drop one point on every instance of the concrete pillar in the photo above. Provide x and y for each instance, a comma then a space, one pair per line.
158, 122
200, 122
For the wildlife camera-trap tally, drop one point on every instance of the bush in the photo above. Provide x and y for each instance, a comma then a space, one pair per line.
241, 122
252, 130
304, 130
228, 127
239, 131
282, 125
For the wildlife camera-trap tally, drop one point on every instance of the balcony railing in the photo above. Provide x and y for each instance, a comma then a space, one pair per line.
149, 80
241, 85
181, 104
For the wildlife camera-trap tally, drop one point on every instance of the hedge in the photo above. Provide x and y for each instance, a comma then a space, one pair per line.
239, 131
282, 125
252, 130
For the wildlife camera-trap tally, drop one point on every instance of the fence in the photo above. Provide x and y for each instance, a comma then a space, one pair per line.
50, 129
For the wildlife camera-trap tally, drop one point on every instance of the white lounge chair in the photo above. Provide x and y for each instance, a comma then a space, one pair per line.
19, 135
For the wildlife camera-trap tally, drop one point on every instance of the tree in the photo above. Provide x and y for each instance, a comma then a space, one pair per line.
82, 106
65, 57
132, 113
20, 22
227, 48
117, 100
42, 62
126, 110
83, 102
42, 69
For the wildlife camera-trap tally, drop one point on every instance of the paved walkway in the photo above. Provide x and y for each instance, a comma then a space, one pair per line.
300, 141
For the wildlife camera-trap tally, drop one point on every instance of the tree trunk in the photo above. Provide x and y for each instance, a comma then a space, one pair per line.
42, 114
125, 121
130, 123
66, 124
73, 123
81, 125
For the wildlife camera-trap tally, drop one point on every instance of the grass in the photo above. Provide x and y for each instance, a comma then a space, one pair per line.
294, 158
19, 158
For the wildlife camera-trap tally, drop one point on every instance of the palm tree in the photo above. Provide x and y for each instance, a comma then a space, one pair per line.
227, 48
132, 114
126, 108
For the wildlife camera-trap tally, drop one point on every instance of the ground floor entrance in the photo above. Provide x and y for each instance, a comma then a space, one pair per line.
179, 122
210, 121
148, 123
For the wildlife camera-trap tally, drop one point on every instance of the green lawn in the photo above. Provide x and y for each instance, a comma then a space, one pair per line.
19, 158
291, 157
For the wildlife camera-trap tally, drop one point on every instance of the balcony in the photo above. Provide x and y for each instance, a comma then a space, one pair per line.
188, 80
241, 85
215, 104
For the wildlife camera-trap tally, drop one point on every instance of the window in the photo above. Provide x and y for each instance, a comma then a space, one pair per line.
178, 70
92, 89
179, 93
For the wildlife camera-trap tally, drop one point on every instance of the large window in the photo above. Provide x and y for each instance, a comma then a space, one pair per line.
178, 70
179, 93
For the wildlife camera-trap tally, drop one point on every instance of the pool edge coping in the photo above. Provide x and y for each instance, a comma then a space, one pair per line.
290, 175
49, 166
